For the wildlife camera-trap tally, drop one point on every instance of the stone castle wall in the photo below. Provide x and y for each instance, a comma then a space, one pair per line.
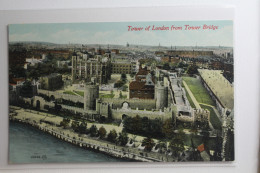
141, 104
118, 113
62, 96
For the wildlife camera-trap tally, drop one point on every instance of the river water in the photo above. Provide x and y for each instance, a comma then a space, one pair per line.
30, 145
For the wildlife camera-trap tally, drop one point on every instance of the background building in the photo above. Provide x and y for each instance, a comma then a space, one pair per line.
122, 67
86, 66
51, 82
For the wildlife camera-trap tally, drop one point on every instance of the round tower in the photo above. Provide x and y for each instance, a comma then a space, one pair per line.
90, 95
161, 96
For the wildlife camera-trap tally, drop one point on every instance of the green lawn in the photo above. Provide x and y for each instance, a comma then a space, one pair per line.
213, 117
198, 90
69, 92
106, 95
189, 98
81, 93
124, 96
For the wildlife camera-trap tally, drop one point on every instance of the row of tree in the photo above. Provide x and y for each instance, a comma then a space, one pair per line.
176, 142
148, 127
93, 131
155, 129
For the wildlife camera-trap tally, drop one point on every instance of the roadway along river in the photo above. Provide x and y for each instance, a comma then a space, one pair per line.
30, 145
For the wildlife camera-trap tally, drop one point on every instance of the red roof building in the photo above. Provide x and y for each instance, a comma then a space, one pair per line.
201, 148
143, 86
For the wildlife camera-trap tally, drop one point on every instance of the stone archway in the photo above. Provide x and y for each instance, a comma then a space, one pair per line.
125, 105
124, 116
38, 105
52, 98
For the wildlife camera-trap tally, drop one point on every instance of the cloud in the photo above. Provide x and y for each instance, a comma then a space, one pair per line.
68, 35
24, 37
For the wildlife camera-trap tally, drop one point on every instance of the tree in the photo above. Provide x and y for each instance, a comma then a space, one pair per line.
168, 128
119, 84
112, 136
124, 87
146, 127
148, 143
65, 123
17, 58
192, 69
137, 124
123, 138
102, 132
82, 127
132, 74
162, 145
181, 64
123, 77
16, 71
26, 89
143, 126
75, 126
177, 144
166, 66
93, 131
156, 128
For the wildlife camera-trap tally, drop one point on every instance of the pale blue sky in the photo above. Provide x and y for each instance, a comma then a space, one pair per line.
117, 33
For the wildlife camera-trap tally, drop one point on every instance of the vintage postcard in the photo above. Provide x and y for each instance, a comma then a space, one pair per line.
159, 91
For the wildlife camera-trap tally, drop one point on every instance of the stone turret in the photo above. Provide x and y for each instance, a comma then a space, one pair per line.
90, 95
161, 96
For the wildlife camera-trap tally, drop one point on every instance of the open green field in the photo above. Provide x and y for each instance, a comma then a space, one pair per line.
198, 90
124, 96
213, 117
69, 92
106, 95
81, 93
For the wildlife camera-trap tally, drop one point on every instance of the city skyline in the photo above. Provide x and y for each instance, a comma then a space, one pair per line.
117, 33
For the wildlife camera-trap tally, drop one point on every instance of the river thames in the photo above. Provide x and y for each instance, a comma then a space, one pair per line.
30, 145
